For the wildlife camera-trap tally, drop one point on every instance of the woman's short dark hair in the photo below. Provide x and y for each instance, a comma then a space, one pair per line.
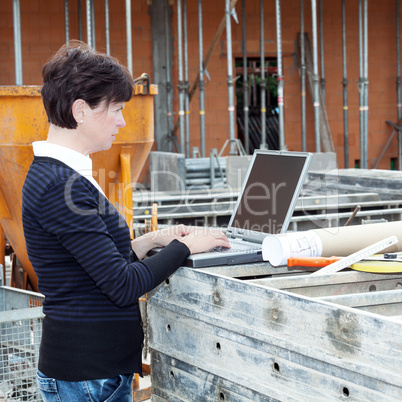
77, 71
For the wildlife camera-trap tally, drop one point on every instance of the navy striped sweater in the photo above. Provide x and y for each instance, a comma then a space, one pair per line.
79, 246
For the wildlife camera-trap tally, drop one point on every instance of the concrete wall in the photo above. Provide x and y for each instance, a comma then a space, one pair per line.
42, 24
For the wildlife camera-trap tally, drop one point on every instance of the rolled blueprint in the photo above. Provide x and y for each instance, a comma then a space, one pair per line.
339, 241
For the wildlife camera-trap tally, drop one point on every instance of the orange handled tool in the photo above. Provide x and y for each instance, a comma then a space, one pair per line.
311, 261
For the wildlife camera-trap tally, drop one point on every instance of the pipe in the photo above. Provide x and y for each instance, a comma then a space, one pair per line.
66, 21
231, 107
316, 95
169, 87
398, 84
107, 27
245, 80
365, 72
129, 38
363, 97
93, 24
322, 51
17, 42
303, 78
345, 90
186, 84
79, 7
263, 144
89, 23
180, 68
282, 145
201, 78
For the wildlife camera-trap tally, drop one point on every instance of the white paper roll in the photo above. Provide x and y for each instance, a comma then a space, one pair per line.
278, 248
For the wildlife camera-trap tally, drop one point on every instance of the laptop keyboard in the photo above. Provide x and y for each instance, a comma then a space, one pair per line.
237, 245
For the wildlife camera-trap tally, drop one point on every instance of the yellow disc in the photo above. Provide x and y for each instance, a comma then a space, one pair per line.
378, 266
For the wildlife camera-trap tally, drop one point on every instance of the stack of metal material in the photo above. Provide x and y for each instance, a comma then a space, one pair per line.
291, 338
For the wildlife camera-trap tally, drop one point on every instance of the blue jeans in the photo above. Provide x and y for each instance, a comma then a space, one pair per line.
117, 389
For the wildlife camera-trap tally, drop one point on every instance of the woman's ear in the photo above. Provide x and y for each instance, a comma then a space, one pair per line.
78, 110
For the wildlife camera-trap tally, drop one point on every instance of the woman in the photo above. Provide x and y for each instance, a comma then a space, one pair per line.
89, 270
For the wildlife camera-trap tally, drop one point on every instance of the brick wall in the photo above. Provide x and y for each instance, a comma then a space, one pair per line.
42, 24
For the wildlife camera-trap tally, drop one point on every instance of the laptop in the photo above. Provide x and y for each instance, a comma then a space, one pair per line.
264, 207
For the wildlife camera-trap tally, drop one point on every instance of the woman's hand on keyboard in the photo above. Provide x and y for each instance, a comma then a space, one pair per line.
203, 239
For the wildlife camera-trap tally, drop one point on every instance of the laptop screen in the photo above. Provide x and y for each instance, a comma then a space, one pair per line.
270, 191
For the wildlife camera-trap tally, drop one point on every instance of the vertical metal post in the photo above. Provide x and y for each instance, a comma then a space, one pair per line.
282, 145
303, 78
180, 68
186, 84
107, 27
79, 7
169, 86
398, 83
263, 144
363, 109
93, 30
322, 52
201, 80
128, 36
17, 42
365, 75
231, 107
345, 90
245, 81
316, 100
89, 22
66, 21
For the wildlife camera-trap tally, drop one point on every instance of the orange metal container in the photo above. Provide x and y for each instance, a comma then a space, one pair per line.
23, 120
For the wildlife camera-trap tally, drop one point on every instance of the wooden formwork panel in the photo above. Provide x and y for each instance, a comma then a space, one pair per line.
218, 338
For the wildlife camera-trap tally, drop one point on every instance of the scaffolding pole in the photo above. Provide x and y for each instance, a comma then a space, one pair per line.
169, 86
322, 52
129, 37
79, 6
263, 144
186, 83
282, 145
66, 22
89, 22
345, 90
201, 85
303, 78
398, 83
363, 81
180, 68
231, 107
17, 42
245, 80
315, 78
107, 27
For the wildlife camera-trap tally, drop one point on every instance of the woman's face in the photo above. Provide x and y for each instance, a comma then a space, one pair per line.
101, 125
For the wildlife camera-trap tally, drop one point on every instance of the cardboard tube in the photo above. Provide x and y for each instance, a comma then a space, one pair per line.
343, 241
339, 241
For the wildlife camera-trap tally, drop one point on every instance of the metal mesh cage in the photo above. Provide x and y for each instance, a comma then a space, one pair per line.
20, 330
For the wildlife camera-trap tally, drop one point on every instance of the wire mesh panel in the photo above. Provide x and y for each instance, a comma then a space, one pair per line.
20, 334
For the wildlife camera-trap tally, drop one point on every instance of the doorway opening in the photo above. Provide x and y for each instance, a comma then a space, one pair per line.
254, 101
